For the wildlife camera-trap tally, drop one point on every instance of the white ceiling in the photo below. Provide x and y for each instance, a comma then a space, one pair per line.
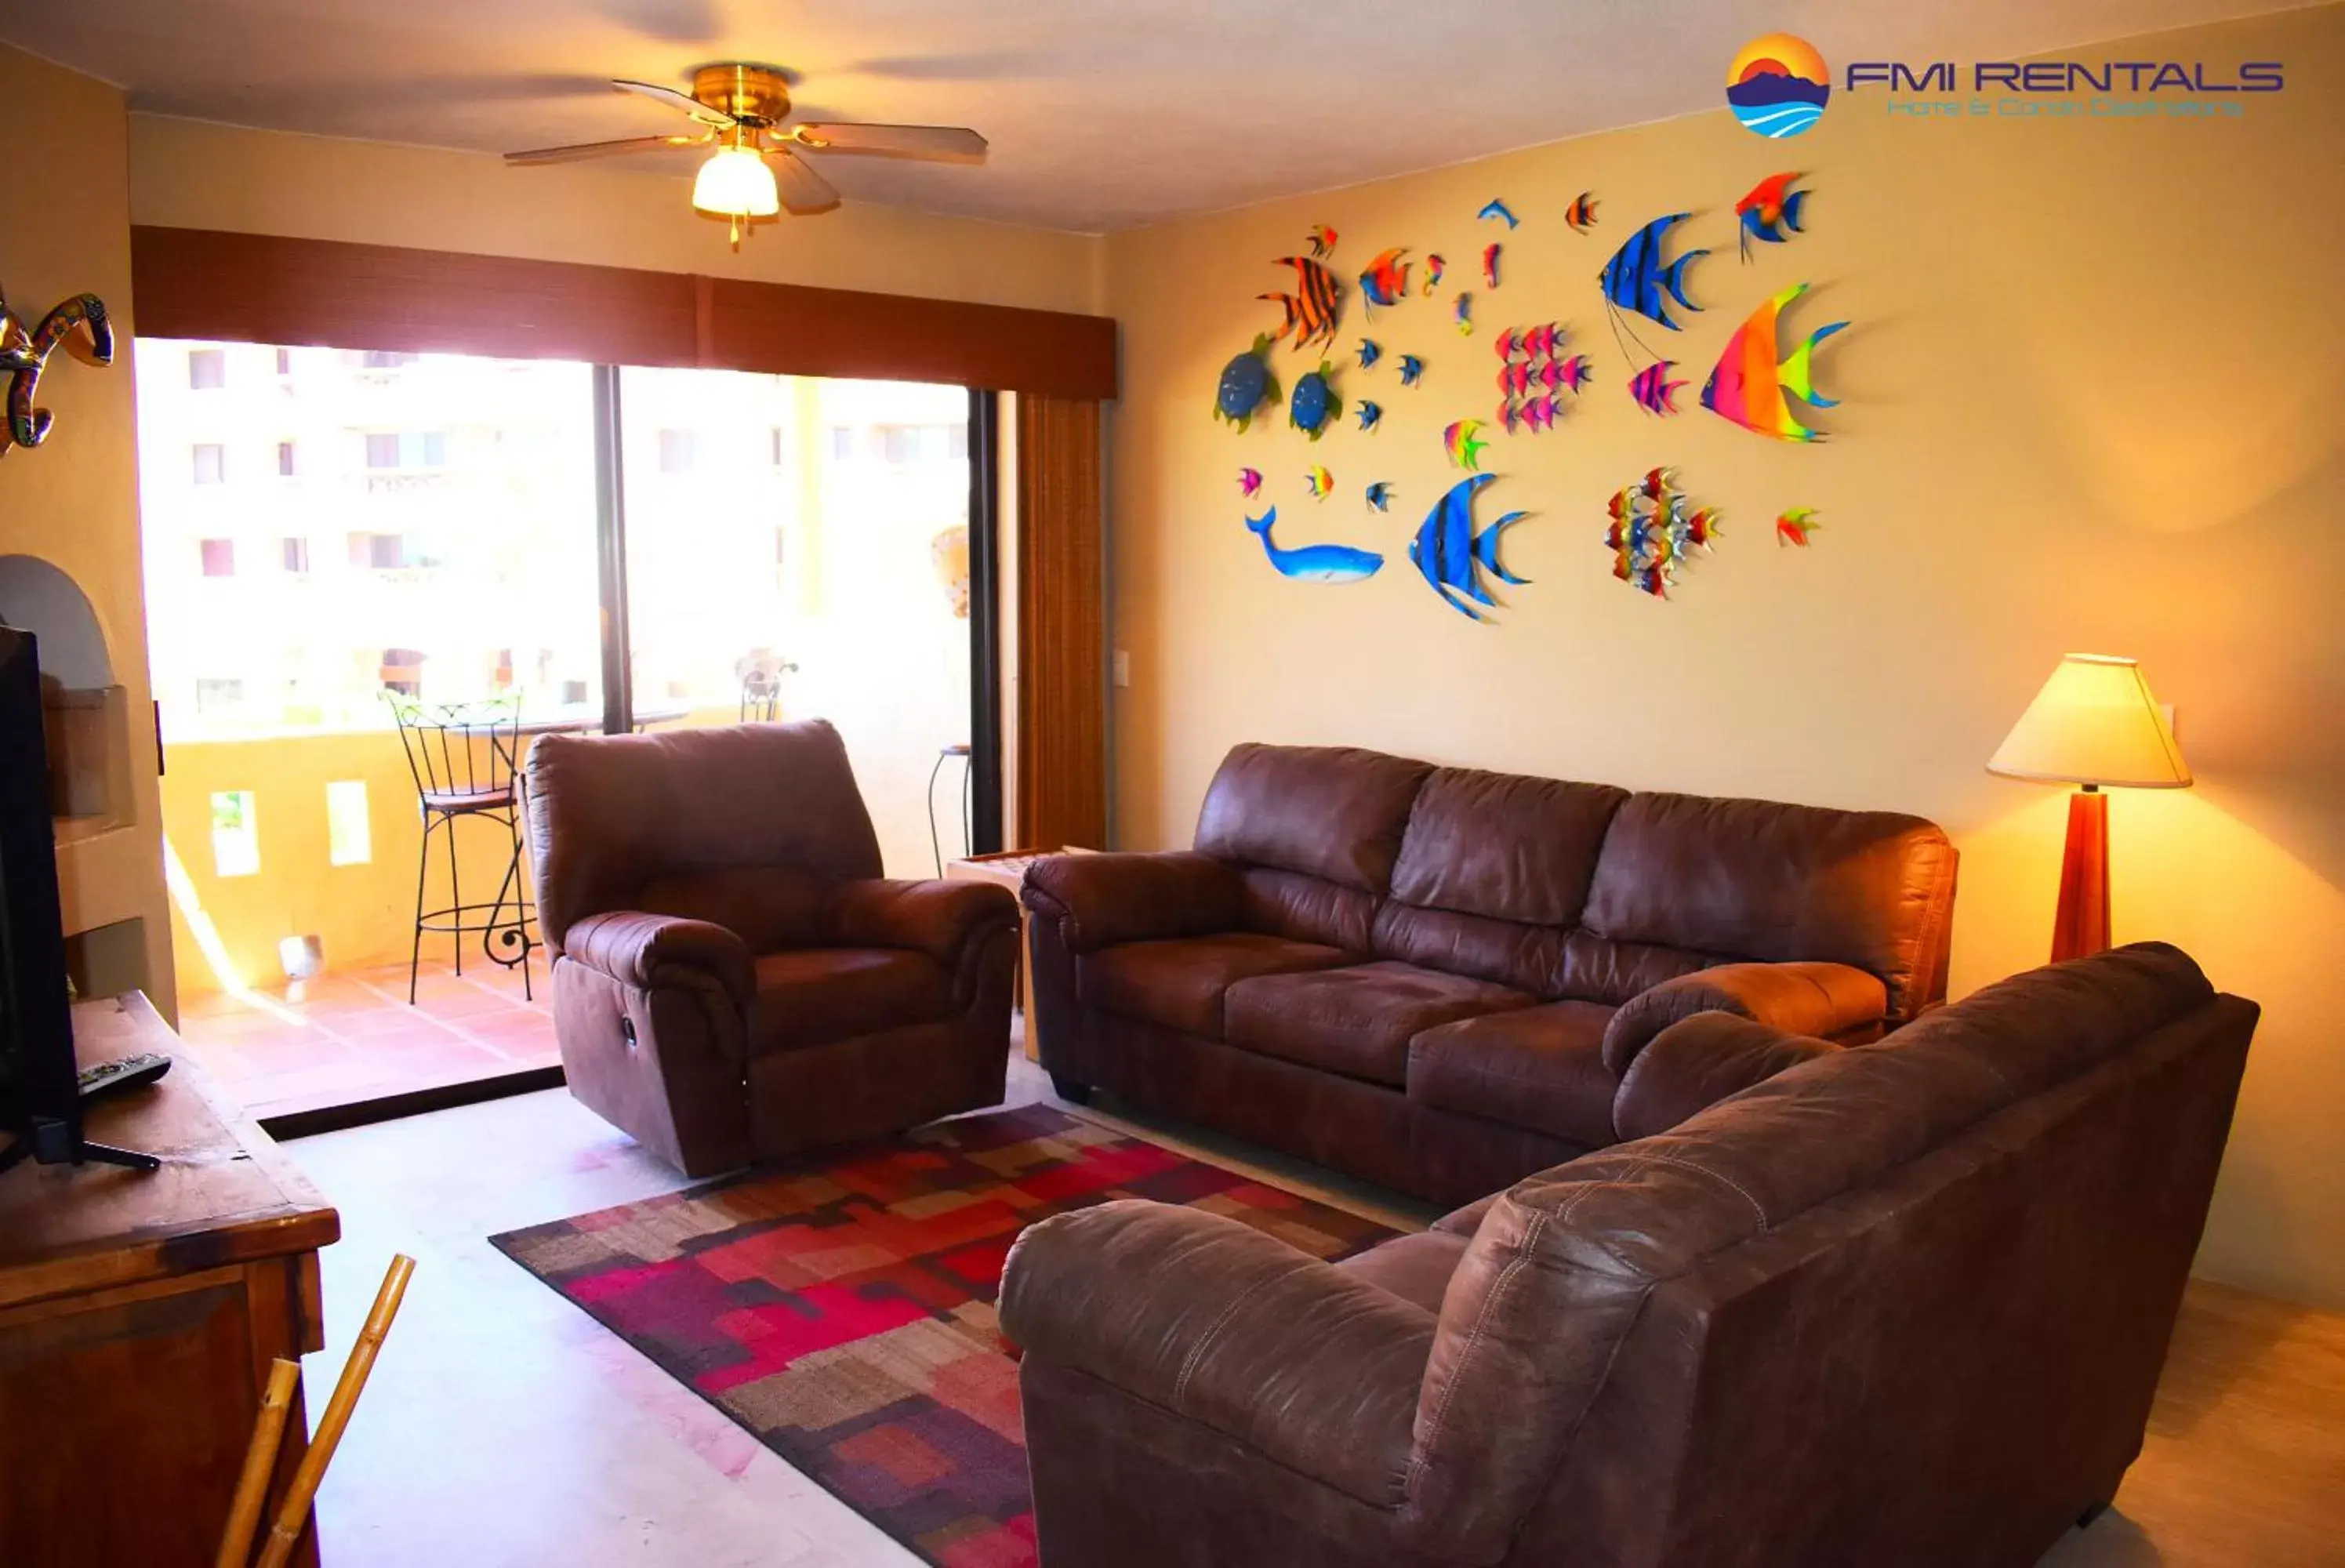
1103, 115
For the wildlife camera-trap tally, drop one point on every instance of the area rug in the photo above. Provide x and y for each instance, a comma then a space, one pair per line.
842, 1309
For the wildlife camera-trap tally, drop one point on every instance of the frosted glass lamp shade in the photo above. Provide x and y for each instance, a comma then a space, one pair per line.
736, 183
2094, 722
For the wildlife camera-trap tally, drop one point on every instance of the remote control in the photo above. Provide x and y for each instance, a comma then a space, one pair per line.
124, 1073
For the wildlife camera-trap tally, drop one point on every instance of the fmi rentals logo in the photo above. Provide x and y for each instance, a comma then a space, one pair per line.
1778, 86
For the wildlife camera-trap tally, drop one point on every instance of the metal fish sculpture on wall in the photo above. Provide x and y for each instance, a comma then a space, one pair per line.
1315, 562
1794, 526
1411, 367
1370, 413
1370, 351
1570, 374
81, 326
1637, 279
1771, 213
1459, 441
1386, 278
1321, 238
1652, 534
1380, 494
1752, 377
1318, 482
1249, 481
1246, 385
1581, 213
1652, 389
1435, 266
1490, 264
1314, 405
1452, 556
1312, 312
1464, 314
1498, 210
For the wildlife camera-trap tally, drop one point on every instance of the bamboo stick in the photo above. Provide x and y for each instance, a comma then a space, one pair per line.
259, 1461
294, 1514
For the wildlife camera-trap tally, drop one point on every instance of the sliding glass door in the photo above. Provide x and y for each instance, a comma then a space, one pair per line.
798, 547
325, 530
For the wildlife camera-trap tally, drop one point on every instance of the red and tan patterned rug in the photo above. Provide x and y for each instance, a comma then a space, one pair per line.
842, 1309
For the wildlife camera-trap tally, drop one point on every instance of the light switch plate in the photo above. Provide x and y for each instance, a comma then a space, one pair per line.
1122, 667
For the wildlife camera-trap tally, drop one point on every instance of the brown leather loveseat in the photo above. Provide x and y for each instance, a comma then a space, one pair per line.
1435, 977
1901, 1304
732, 979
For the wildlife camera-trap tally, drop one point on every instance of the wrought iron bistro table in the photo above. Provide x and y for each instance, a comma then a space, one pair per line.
467, 760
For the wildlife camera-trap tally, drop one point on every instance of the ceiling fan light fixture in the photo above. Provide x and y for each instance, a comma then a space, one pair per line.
736, 183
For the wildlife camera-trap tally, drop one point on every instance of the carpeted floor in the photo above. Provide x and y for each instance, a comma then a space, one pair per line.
842, 1309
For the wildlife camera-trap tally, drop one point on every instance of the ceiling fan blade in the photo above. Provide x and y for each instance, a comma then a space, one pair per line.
676, 100
804, 192
937, 143
600, 149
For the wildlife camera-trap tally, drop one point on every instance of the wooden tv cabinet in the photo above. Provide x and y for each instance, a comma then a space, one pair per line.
138, 1314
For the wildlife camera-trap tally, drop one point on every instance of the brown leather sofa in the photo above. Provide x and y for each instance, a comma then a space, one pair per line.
1435, 977
732, 979
1905, 1304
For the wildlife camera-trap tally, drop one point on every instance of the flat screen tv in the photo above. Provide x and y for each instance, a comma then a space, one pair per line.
40, 1091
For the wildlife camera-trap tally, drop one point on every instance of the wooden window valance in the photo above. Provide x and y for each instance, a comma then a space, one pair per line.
270, 289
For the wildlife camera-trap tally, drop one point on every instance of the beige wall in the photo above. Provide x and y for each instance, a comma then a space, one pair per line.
74, 500
2091, 402
189, 174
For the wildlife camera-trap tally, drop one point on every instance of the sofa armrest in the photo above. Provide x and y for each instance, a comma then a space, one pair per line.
1309, 1365
939, 919
1101, 900
1696, 1062
1801, 999
647, 950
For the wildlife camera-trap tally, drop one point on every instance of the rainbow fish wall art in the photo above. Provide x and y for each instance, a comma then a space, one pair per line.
1386, 278
1752, 375
1652, 535
1459, 441
1771, 213
1318, 482
1581, 213
1315, 308
1794, 526
1652, 389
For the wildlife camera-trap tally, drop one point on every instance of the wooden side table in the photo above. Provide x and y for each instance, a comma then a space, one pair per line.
1006, 868
140, 1312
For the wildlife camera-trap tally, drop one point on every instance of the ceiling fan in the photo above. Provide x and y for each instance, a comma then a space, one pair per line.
755, 170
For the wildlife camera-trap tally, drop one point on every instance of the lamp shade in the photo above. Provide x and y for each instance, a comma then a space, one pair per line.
736, 183
2094, 722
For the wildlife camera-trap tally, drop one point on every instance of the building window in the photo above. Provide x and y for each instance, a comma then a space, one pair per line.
219, 557
219, 696
235, 832
679, 451
904, 445
407, 449
773, 450
296, 556
211, 462
381, 551
284, 361
206, 369
842, 443
402, 671
285, 466
385, 360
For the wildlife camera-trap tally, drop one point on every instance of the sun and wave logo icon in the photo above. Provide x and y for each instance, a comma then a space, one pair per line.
1778, 85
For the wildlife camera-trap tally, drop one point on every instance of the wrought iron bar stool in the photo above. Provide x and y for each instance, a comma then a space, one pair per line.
465, 757
935, 844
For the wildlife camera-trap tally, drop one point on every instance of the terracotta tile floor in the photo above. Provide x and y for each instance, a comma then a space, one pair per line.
352, 1035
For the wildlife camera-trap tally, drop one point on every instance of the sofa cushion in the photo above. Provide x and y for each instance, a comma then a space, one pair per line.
1331, 812
1178, 982
1757, 879
1540, 1068
1356, 1021
1416, 1267
812, 996
1503, 844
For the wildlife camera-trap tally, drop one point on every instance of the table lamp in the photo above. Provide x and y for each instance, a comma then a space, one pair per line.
2093, 723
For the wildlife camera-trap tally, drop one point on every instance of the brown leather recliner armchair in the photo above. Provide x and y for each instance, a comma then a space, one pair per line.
732, 979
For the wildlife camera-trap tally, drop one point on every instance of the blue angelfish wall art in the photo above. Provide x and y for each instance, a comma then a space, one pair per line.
1452, 556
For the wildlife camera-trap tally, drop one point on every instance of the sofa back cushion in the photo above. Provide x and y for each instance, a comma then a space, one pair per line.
610, 815
1336, 812
1503, 844
1761, 880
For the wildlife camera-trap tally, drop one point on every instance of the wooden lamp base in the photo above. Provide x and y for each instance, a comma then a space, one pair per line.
2082, 924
